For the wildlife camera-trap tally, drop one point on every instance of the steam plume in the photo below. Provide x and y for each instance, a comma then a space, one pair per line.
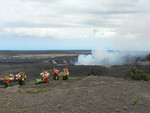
101, 56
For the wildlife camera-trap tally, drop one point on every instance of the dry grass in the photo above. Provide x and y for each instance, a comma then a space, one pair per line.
38, 90
59, 106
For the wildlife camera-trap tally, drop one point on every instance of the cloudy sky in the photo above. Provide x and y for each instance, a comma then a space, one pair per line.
74, 24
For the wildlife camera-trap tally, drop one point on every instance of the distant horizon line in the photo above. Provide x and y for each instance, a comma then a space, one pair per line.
49, 50
72, 50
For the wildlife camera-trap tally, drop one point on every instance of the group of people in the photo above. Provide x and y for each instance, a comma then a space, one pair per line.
20, 77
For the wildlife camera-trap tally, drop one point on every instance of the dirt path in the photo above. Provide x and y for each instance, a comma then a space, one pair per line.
90, 94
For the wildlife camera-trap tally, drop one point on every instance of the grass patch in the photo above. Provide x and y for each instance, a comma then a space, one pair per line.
20, 106
33, 109
78, 95
134, 102
59, 106
91, 102
38, 90
125, 108
118, 110
10, 100
136, 74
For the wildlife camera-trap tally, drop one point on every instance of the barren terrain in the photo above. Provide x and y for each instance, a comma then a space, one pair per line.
108, 92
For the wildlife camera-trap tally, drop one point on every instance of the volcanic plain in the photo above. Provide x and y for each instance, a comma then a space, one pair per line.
90, 89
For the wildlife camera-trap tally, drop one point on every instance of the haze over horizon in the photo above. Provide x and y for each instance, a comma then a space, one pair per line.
74, 25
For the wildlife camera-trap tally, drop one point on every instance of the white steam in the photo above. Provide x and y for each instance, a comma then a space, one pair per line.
100, 56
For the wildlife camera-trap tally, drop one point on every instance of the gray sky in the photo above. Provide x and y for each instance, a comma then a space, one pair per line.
80, 24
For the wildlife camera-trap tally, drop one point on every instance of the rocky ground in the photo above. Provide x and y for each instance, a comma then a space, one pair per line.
107, 92
92, 94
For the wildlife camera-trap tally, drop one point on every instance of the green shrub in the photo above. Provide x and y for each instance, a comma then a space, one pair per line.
136, 74
148, 57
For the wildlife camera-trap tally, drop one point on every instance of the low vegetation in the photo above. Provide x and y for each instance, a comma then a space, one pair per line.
38, 90
136, 74
95, 72
134, 102
148, 57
